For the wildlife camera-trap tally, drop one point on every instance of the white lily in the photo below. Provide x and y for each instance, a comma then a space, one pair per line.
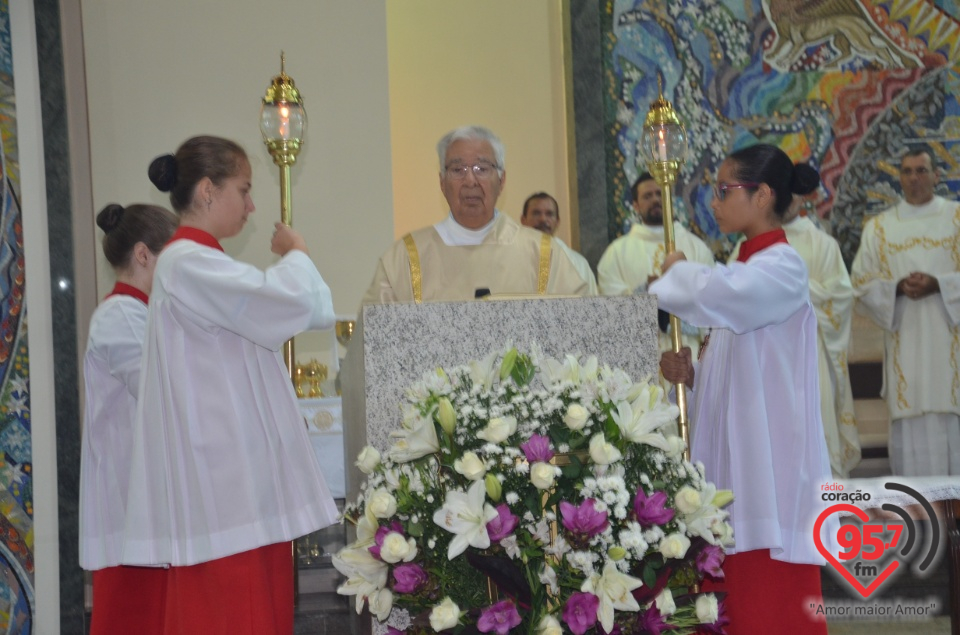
416, 439
466, 515
366, 575
482, 372
614, 590
640, 420
367, 528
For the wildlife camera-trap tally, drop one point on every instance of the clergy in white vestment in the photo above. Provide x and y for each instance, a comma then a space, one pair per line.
476, 250
906, 276
126, 599
756, 402
223, 475
541, 212
632, 261
832, 297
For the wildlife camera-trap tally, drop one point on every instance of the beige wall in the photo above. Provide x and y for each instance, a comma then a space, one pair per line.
381, 79
497, 63
160, 72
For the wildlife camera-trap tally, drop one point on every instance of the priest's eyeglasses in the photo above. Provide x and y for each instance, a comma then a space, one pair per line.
481, 171
720, 191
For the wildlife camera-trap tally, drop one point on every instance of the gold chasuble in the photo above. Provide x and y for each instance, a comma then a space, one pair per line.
512, 259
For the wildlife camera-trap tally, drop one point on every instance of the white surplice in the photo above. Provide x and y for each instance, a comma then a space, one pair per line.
111, 373
831, 294
222, 461
921, 337
756, 402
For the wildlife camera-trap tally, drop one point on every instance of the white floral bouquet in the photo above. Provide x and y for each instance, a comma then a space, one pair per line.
527, 494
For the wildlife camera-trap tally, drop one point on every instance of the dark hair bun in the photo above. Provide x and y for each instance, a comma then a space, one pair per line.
804, 180
163, 172
109, 217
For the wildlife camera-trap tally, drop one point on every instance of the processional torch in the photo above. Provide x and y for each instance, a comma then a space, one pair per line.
666, 149
283, 123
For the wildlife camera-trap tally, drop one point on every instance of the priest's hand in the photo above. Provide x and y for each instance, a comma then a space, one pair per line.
677, 368
672, 258
286, 238
918, 285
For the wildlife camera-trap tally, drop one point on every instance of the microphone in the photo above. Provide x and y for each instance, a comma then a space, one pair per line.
481, 293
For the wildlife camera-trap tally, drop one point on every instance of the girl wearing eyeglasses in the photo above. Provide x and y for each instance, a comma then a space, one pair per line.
755, 394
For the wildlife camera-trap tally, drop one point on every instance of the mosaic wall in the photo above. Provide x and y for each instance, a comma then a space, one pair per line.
843, 84
16, 463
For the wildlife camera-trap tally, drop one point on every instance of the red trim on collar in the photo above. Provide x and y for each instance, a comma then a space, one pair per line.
122, 288
761, 242
197, 236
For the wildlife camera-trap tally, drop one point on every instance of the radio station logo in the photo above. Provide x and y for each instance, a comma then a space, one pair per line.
870, 551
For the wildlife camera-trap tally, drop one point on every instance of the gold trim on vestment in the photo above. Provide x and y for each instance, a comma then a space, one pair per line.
544, 275
416, 278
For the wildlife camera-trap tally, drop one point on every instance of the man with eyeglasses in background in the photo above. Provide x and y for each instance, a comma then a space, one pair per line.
541, 212
906, 278
476, 250
633, 261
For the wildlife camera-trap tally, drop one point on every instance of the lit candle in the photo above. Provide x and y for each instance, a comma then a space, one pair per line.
284, 122
662, 145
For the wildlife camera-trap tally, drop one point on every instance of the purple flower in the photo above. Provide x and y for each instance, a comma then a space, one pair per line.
583, 519
650, 621
537, 448
392, 631
503, 525
381, 534
499, 618
580, 612
709, 561
409, 577
651, 511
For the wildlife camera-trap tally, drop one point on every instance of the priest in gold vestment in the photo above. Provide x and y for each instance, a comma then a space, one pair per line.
477, 250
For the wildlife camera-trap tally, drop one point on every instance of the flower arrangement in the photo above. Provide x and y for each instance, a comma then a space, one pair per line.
533, 495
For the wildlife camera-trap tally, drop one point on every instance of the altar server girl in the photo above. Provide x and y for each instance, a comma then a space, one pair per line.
125, 599
756, 402
224, 475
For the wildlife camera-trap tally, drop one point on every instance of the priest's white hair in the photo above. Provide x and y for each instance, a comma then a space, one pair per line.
472, 133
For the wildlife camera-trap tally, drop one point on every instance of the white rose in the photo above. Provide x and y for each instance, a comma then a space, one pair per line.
707, 609
444, 615
498, 429
542, 475
380, 603
674, 546
665, 603
675, 447
470, 466
368, 460
549, 626
382, 503
601, 452
688, 500
723, 531
395, 548
576, 417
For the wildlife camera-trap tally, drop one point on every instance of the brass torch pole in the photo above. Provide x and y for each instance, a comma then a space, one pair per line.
667, 140
667, 178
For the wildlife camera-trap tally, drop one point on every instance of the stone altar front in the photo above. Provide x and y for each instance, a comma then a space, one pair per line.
395, 344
